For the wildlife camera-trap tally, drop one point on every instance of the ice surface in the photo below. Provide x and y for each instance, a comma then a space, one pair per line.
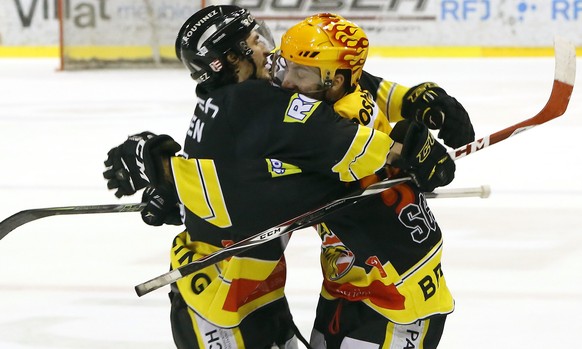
513, 261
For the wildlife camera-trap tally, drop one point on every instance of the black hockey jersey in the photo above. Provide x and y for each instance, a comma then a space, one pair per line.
255, 156
385, 252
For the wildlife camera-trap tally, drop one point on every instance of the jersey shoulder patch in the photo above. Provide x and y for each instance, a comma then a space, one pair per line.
300, 108
279, 168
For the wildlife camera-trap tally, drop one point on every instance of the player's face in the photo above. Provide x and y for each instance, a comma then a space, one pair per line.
260, 52
302, 78
261, 43
296, 77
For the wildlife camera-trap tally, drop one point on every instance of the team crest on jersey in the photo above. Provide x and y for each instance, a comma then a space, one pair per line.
337, 259
300, 108
278, 168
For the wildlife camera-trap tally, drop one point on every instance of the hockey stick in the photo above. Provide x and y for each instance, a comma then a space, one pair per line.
26, 216
564, 75
303, 221
300, 222
483, 192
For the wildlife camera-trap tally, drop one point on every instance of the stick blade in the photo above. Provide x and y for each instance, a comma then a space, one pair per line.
564, 78
27, 216
20, 218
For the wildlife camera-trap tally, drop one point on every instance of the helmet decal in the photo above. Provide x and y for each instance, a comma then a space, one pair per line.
216, 65
345, 34
195, 26
328, 42
208, 36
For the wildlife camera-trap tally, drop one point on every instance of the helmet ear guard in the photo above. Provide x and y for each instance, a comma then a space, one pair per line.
328, 42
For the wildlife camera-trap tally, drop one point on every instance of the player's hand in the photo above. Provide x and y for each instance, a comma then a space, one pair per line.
162, 207
430, 104
136, 163
420, 155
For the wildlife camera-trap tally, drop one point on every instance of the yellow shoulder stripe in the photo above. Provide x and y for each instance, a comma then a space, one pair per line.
199, 190
366, 155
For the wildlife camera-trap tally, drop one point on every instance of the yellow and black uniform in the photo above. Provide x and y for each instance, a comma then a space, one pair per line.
254, 157
375, 103
381, 260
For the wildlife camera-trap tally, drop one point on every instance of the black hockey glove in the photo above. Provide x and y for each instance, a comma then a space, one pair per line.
162, 207
137, 162
421, 156
430, 104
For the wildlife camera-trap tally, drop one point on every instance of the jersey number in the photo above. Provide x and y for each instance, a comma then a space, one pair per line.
419, 218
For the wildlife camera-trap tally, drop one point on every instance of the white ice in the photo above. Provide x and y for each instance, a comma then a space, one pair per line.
513, 261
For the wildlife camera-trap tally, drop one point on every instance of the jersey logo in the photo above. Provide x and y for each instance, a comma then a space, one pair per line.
337, 260
278, 168
300, 108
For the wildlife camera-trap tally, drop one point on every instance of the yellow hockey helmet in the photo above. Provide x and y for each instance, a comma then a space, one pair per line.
328, 42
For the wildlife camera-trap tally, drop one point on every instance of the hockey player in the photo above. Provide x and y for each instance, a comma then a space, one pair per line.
254, 156
383, 282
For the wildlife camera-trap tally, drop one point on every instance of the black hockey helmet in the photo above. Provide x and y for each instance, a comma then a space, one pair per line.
208, 35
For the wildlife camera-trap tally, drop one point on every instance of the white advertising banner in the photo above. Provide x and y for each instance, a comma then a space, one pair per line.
405, 23
496, 23
101, 22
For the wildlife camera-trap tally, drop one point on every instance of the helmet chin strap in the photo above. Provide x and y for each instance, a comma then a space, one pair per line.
249, 57
321, 90
318, 94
